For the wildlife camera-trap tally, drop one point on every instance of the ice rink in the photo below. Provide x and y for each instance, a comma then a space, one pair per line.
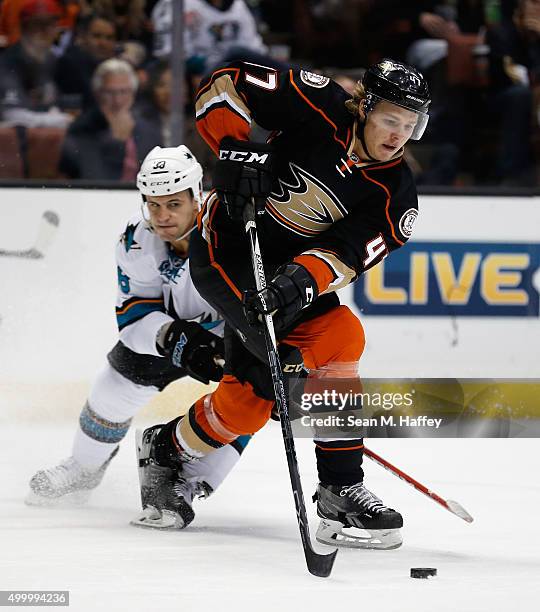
243, 551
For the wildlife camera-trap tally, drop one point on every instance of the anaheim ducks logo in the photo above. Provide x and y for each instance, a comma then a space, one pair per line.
305, 206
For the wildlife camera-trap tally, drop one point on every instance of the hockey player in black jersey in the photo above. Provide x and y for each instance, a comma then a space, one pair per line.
334, 197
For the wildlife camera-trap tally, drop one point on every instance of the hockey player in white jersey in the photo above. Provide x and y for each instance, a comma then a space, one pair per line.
166, 331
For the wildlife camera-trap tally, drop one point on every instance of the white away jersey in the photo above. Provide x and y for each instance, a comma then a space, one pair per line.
208, 32
154, 288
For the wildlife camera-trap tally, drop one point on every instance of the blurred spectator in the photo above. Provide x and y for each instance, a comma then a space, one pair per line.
216, 31
133, 28
28, 94
10, 18
108, 141
155, 103
331, 32
515, 65
391, 26
95, 41
515, 47
155, 108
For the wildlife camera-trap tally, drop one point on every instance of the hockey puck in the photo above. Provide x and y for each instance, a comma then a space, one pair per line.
423, 572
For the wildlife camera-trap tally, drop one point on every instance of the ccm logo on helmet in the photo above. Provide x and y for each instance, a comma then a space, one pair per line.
243, 156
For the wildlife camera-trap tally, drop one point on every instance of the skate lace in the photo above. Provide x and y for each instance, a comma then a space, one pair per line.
66, 474
363, 497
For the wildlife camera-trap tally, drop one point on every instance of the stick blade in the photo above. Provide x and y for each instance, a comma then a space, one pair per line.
51, 217
318, 564
457, 509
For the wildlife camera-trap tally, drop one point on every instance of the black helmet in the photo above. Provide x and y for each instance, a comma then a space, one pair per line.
401, 85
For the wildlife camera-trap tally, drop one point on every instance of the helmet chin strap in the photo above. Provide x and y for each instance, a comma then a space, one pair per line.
360, 126
185, 234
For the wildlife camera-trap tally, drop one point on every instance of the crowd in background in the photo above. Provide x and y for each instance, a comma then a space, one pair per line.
85, 85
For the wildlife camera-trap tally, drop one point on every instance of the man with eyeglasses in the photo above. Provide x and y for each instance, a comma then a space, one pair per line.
108, 142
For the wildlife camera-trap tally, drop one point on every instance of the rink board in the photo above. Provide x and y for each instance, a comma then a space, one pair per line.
461, 299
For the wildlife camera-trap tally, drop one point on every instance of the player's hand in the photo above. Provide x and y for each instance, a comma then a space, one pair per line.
245, 170
286, 294
188, 345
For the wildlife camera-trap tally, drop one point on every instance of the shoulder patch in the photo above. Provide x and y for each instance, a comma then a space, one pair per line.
406, 223
314, 80
128, 237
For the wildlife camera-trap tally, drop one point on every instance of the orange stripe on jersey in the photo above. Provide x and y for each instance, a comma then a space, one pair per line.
319, 269
387, 209
349, 163
219, 123
320, 111
324, 448
202, 212
147, 301
215, 264
327, 251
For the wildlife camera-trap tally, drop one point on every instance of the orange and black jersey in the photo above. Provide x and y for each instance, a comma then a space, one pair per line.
329, 212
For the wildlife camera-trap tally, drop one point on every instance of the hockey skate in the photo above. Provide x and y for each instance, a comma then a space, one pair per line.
67, 483
369, 523
166, 495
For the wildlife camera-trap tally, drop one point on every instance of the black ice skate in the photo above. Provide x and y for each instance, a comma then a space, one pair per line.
373, 524
166, 497
67, 483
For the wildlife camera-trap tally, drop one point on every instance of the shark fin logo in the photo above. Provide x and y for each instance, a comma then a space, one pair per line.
128, 237
305, 205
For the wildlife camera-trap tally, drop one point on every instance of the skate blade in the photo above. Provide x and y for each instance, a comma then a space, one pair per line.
331, 533
138, 450
69, 500
151, 518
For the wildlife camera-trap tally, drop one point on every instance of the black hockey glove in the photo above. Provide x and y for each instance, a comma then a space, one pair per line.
188, 345
245, 170
286, 294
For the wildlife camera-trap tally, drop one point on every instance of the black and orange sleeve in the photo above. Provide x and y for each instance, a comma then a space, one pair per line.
232, 97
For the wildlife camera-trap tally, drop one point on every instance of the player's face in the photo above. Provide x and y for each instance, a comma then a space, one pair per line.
387, 129
172, 215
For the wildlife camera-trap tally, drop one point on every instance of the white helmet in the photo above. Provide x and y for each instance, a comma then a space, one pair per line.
170, 170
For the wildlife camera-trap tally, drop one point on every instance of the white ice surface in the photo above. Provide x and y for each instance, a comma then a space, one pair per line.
243, 553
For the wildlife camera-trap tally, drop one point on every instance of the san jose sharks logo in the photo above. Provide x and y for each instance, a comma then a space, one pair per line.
305, 205
128, 237
172, 268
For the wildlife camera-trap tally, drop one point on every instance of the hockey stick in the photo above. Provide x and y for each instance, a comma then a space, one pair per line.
453, 506
317, 564
47, 229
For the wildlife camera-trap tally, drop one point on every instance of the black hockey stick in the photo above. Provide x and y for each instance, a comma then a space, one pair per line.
47, 229
317, 564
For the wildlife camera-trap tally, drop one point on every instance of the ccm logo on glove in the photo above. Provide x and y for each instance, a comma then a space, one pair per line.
244, 156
